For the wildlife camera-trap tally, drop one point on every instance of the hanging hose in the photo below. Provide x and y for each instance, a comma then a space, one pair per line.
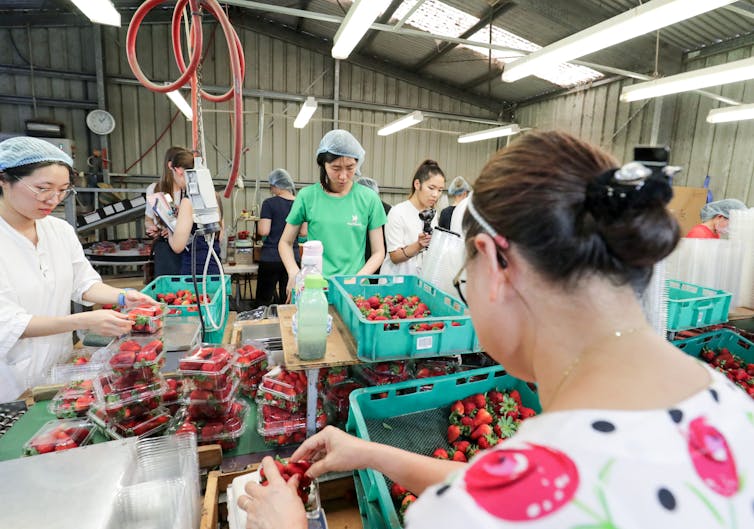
189, 73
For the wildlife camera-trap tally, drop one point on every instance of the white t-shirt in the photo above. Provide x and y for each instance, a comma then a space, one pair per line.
37, 281
690, 465
403, 228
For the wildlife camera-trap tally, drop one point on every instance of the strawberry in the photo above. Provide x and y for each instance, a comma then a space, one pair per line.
481, 431
129, 345
480, 399
397, 492
483, 417
454, 432
459, 456
440, 453
461, 445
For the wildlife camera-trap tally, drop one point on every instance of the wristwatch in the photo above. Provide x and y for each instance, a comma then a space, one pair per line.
122, 297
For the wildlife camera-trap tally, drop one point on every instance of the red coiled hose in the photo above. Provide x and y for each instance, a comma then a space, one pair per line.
188, 73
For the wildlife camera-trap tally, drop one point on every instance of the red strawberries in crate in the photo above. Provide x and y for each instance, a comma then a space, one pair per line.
738, 371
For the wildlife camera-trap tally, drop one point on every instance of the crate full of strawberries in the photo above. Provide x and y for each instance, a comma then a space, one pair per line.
401, 317
181, 299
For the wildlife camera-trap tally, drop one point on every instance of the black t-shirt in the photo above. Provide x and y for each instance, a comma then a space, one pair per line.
445, 216
276, 209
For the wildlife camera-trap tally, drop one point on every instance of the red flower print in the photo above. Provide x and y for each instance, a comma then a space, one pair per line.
712, 458
522, 484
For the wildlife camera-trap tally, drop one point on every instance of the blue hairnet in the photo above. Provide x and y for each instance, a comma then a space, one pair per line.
721, 207
280, 178
371, 183
458, 185
342, 143
23, 150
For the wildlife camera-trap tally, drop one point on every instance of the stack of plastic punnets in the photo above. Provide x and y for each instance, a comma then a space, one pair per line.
654, 299
443, 260
162, 490
742, 232
711, 263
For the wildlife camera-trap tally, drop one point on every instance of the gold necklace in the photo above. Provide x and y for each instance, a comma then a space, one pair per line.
572, 366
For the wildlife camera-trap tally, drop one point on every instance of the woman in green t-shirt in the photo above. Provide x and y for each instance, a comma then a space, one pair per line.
339, 212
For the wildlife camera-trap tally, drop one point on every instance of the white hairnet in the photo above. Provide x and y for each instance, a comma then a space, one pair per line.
23, 150
280, 178
457, 186
342, 143
371, 183
721, 207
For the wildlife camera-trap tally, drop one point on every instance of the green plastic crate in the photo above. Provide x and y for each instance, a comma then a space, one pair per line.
691, 306
378, 405
393, 339
166, 284
728, 339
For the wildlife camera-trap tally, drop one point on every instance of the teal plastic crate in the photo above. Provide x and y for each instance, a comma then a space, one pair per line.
166, 284
736, 344
691, 306
393, 339
424, 406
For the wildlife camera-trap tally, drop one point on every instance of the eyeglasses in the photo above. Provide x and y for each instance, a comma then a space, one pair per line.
43, 195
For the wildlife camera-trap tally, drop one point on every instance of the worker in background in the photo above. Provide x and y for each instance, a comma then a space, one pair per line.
715, 219
554, 256
339, 212
183, 239
273, 277
172, 182
457, 190
372, 184
404, 231
43, 269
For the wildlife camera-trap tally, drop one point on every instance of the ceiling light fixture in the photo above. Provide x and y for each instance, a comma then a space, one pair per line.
633, 23
183, 105
99, 11
358, 20
726, 114
683, 82
306, 113
497, 132
405, 122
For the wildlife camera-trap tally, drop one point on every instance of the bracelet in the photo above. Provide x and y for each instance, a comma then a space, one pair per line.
122, 297
403, 249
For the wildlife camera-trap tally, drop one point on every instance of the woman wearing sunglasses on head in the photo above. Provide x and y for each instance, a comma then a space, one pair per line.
633, 434
44, 268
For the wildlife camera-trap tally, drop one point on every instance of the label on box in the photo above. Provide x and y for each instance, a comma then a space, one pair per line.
138, 201
424, 342
108, 210
119, 207
92, 217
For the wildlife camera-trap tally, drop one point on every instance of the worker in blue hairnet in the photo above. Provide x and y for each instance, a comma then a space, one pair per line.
341, 214
458, 189
715, 219
273, 277
44, 269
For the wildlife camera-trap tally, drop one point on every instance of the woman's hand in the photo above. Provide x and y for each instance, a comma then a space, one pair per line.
135, 298
153, 231
332, 450
424, 239
106, 322
275, 505
289, 288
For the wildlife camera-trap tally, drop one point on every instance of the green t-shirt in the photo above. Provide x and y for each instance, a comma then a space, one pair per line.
341, 223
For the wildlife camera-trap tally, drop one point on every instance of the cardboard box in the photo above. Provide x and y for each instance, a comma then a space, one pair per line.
686, 204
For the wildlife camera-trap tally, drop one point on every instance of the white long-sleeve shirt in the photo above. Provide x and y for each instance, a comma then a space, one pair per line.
39, 280
403, 228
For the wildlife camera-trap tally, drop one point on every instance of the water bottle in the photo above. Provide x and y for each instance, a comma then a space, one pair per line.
308, 267
315, 250
311, 319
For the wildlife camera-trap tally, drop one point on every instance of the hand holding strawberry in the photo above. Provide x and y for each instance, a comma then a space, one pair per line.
275, 505
333, 450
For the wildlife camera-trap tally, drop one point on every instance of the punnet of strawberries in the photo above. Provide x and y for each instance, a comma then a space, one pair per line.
145, 426
251, 365
137, 359
738, 371
482, 421
224, 430
336, 399
146, 318
208, 366
307, 488
280, 427
58, 435
284, 389
209, 404
73, 399
381, 373
123, 403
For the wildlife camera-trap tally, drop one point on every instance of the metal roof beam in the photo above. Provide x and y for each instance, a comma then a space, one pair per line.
383, 19
302, 5
487, 18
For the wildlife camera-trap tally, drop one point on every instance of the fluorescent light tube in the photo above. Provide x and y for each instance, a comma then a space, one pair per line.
99, 11
694, 80
640, 20
361, 15
726, 114
306, 113
497, 132
176, 97
403, 123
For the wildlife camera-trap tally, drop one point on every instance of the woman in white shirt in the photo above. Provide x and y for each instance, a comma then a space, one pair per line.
44, 268
404, 233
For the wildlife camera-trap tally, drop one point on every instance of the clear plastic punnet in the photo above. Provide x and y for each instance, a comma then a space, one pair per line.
59, 435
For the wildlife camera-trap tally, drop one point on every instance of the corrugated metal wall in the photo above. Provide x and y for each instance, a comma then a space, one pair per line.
723, 151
